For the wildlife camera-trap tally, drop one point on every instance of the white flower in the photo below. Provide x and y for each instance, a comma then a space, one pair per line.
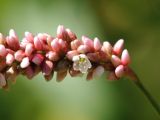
81, 63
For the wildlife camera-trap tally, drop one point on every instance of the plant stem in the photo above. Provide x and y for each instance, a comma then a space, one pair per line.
148, 95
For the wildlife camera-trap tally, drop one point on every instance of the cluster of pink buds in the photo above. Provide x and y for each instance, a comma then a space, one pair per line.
62, 54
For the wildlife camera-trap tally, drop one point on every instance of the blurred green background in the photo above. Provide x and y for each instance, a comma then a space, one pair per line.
137, 21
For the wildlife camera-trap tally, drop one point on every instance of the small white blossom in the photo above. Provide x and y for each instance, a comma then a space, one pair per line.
81, 63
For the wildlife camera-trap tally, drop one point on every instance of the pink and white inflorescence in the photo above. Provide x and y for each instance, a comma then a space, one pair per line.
63, 54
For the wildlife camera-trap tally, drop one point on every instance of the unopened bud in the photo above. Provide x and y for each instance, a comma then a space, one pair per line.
19, 55
115, 60
125, 58
118, 47
9, 59
97, 44
37, 59
25, 62
3, 51
119, 71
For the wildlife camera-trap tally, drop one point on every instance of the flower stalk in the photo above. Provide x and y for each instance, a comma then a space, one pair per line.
148, 96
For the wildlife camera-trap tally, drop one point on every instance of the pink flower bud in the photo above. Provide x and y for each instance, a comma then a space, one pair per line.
29, 49
9, 59
55, 45
13, 43
75, 44
19, 55
12, 33
3, 51
115, 60
98, 71
97, 44
107, 48
42, 36
83, 49
72, 53
24, 43
25, 62
2, 80
71, 35
61, 32
53, 56
37, 43
125, 58
47, 67
88, 42
13, 39
119, 71
63, 45
49, 40
37, 59
118, 47
29, 36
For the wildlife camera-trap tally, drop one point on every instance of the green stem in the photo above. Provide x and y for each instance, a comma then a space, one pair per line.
148, 95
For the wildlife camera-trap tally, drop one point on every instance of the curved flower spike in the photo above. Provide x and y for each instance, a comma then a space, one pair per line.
47, 54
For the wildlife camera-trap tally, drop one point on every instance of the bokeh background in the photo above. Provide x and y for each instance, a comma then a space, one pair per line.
137, 21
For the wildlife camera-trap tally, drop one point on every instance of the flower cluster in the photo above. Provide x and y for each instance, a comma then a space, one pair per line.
63, 54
